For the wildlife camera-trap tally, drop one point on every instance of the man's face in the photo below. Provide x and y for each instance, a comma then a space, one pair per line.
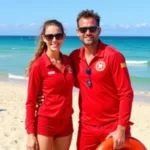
88, 31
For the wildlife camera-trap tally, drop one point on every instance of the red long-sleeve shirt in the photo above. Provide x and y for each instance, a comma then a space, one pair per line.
110, 97
55, 86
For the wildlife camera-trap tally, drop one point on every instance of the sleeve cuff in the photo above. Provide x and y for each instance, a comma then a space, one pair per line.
125, 124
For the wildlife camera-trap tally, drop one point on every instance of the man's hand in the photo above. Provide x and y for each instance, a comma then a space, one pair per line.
118, 137
39, 101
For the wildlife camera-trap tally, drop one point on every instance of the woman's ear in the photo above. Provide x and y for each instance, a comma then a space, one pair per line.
43, 38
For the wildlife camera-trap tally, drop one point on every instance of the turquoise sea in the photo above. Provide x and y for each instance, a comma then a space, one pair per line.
17, 51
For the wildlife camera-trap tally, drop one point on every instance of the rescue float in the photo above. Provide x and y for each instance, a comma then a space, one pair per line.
131, 143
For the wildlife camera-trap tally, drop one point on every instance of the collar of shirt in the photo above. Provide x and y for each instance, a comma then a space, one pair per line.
100, 52
47, 59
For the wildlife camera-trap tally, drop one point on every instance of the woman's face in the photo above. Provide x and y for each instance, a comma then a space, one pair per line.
53, 37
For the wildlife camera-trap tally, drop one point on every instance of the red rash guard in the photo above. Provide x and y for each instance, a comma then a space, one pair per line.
56, 88
110, 96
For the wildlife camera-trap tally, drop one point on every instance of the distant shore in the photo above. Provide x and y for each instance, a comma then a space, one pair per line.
12, 114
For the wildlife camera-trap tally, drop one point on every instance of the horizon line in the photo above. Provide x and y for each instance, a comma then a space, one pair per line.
77, 36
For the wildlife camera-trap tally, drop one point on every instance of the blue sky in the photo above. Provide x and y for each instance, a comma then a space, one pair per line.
118, 17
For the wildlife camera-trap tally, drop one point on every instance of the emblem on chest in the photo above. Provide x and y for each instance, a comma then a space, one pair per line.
100, 66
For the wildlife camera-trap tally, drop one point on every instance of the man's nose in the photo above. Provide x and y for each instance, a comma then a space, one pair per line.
88, 31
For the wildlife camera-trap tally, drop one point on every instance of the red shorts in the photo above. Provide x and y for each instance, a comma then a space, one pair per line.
90, 136
54, 127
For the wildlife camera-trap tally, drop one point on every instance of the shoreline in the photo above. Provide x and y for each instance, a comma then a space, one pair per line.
24, 82
12, 116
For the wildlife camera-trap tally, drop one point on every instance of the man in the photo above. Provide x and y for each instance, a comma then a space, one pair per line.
105, 92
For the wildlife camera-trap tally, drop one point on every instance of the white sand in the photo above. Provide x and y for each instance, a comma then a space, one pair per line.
12, 132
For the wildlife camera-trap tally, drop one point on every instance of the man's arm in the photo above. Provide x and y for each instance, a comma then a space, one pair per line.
123, 86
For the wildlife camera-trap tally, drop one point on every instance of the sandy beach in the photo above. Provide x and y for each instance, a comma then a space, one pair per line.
12, 114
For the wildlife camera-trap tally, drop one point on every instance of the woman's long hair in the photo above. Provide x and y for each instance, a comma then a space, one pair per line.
41, 44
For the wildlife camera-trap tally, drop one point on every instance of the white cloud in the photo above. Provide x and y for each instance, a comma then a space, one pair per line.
25, 25
3, 25
32, 24
122, 26
142, 25
126, 26
19, 25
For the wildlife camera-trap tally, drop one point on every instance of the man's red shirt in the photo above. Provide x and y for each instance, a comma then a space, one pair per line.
111, 95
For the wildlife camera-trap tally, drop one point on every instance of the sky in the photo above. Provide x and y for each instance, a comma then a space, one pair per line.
118, 17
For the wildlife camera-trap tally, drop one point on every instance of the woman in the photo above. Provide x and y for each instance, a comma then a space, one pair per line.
50, 73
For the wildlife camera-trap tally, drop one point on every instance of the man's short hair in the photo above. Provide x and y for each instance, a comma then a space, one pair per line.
88, 14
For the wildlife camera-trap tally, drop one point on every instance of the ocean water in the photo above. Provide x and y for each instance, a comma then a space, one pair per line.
17, 51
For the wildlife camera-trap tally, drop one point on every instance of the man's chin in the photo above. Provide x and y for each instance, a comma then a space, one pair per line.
89, 43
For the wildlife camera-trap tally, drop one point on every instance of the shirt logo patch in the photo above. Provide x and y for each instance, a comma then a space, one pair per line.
100, 66
51, 72
123, 65
69, 69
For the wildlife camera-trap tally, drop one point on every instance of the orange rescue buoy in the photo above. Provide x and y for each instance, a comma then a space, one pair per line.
131, 143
